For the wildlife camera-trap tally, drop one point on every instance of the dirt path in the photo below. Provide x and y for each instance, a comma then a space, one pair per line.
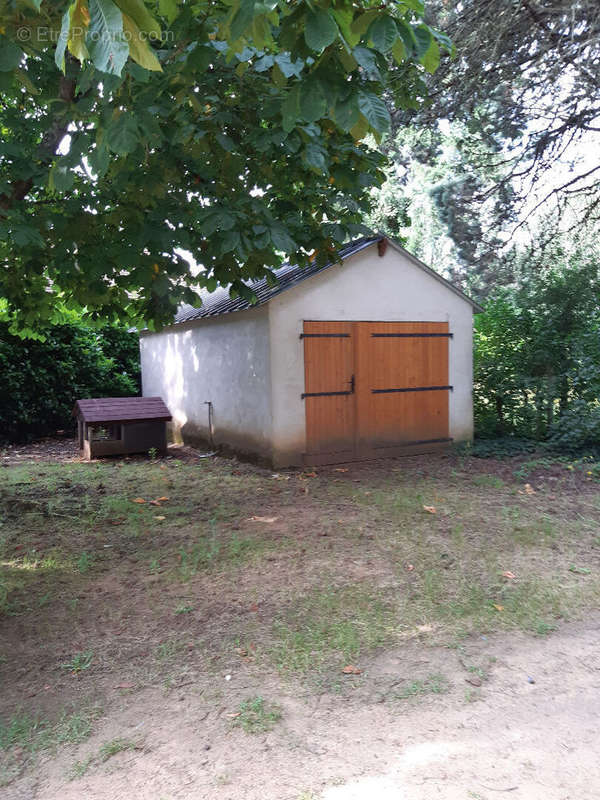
529, 731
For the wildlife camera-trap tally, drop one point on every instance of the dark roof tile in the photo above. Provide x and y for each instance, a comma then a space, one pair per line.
288, 275
121, 409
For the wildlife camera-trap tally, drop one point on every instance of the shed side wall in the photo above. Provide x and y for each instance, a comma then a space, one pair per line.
366, 287
224, 360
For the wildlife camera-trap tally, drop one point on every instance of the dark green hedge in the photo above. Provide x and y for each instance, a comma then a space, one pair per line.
40, 380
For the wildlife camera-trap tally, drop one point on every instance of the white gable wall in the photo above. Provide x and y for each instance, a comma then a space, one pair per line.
366, 287
225, 360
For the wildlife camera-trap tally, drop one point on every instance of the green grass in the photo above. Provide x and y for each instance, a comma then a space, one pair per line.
330, 627
489, 481
257, 716
114, 746
106, 752
212, 551
33, 733
79, 662
433, 684
79, 768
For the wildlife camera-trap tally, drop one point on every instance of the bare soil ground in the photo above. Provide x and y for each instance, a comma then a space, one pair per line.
416, 628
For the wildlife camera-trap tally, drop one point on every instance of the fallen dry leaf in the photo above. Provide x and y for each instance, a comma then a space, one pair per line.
264, 519
430, 509
159, 516
309, 475
162, 499
351, 670
473, 680
509, 575
138, 500
253, 607
341, 469
498, 607
529, 489
154, 503
124, 686
410, 567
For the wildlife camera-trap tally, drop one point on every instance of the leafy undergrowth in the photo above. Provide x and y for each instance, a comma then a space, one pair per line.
129, 574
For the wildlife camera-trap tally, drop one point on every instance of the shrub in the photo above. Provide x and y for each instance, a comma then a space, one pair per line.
537, 355
42, 379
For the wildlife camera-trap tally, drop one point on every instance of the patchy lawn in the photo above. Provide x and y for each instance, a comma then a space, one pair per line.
259, 611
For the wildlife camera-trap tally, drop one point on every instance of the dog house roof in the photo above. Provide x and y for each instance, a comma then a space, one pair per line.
122, 409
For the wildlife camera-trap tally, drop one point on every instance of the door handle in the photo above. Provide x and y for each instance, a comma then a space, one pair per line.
352, 385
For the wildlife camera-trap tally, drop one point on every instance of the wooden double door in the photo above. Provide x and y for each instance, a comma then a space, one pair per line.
374, 389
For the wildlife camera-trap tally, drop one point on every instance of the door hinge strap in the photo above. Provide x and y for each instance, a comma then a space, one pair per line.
414, 389
323, 394
412, 335
324, 335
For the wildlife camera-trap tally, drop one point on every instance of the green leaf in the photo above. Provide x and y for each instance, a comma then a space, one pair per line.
366, 59
200, 58
230, 241
344, 18
431, 59
361, 23
216, 220
225, 141
24, 235
313, 105
63, 38
99, 160
347, 60
321, 30
168, 9
10, 55
105, 41
122, 135
137, 11
375, 111
60, 178
399, 51
416, 5
346, 113
360, 130
290, 109
408, 37
281, 239
79, 20
383, 33
314, 156
242, 19
423, 39
139, 48
278, 77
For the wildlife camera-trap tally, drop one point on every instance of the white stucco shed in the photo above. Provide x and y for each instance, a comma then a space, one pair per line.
366, 357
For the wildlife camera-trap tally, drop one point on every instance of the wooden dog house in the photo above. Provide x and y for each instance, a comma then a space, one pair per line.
109, 426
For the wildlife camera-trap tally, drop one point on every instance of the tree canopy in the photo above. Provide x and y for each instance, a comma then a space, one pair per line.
233, 130
506, 142
527, 78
